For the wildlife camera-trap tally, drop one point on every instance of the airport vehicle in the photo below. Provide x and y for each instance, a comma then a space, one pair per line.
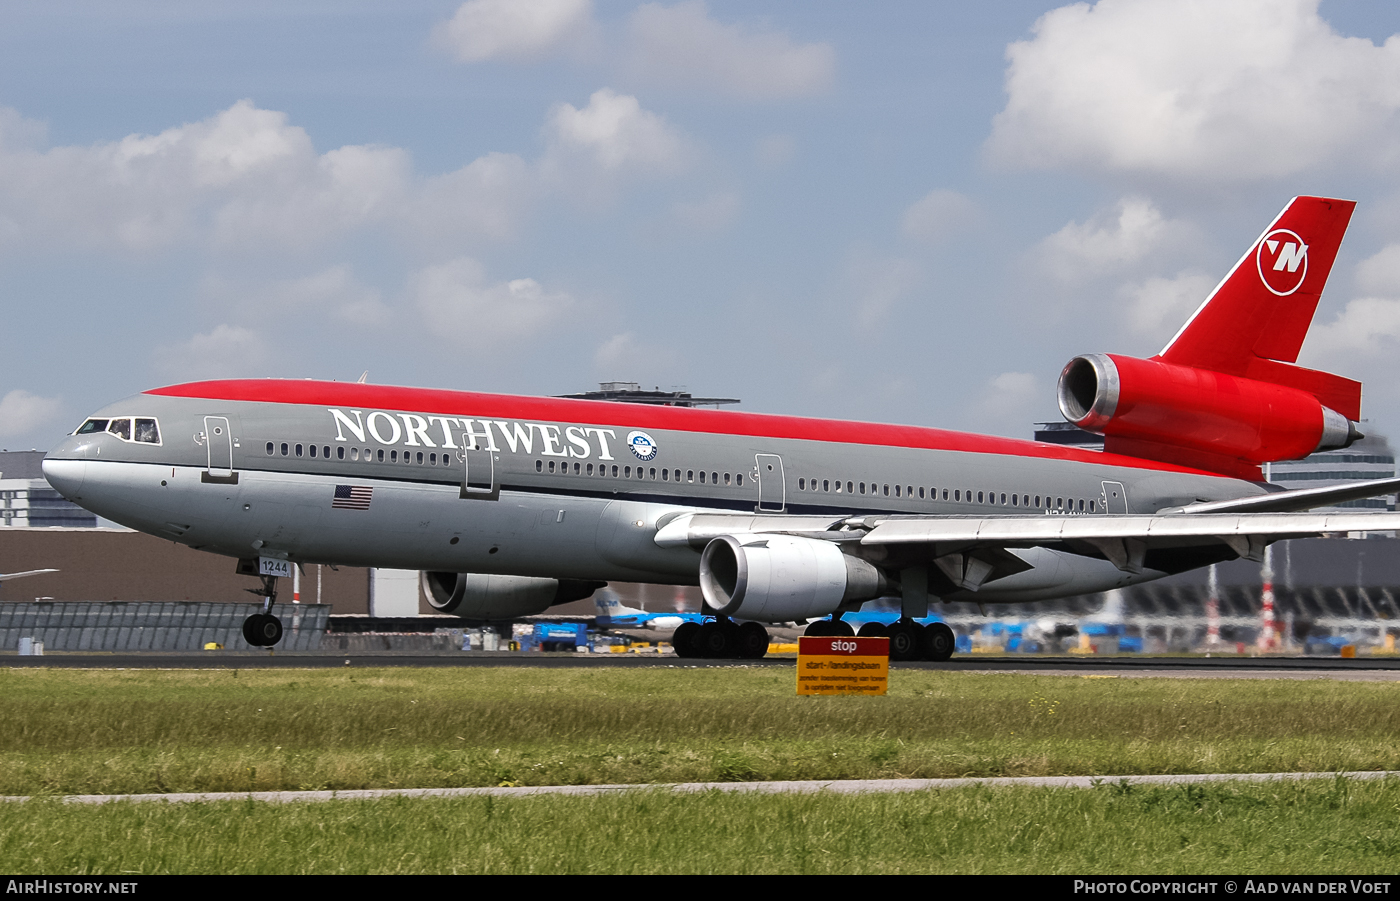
513, 504
613, 614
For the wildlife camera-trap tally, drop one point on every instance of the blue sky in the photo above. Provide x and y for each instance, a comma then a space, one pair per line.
897, 212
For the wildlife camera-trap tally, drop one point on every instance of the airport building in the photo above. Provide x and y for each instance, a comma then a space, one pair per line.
27, 500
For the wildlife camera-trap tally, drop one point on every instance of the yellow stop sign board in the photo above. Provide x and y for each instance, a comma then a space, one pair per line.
832, 665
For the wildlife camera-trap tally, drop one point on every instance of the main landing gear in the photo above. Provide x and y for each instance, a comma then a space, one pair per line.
263, 630
908, 639
722, 639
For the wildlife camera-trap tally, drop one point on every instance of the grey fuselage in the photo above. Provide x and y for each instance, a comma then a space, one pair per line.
462, 482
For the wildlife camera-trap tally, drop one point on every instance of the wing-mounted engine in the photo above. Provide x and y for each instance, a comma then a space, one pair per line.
1196, 417
779, 578
486, 597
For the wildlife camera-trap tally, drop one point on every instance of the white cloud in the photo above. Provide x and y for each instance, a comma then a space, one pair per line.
515, 29
226, 351
489, 197
938, 215
1158, 306
1115, 239
1380, 274
22, 412
1365, 326
681, 45
1007, 403
614, 132
459, 304
333, 290
1237, 90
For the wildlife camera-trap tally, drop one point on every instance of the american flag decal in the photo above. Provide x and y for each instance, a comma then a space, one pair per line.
352, 497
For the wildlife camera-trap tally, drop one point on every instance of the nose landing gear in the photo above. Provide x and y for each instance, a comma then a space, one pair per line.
263, 630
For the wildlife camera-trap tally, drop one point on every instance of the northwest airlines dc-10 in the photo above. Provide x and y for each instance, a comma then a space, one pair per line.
512, 504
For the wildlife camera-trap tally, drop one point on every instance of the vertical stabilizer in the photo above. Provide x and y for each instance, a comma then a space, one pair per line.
1263, 308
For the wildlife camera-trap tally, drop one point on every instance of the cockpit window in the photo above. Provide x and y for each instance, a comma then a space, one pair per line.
92, 425
147, 432
121, 428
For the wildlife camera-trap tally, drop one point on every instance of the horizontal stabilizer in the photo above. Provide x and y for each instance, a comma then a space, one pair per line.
1297, 499
5, 577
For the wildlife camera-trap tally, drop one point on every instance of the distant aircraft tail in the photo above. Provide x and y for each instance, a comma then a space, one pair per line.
608, 604
1225, 394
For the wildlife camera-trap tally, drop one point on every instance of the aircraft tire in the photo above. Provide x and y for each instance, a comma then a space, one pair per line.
939, 642
819, 629
751, 642
270, 630
841, 629
683, 640
906, 640
716, 641
873, 630
252, 629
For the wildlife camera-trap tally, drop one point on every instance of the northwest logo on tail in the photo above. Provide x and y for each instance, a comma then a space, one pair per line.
1283, 261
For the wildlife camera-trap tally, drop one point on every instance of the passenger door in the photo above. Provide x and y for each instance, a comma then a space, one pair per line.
772, 489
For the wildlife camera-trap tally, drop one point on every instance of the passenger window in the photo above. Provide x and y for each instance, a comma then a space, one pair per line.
326, 451
887, 491
313, 450
652, 474
270, 448
418, 460
339, 452
921, 492
539, 466
147, 432
121, 428
690, 475
945, 494
354, 452
714, 478
957, 495
738, 480
284, 448
614, 475
665, 475
298, 450
979, 497
826, 485
380, 455
551, 466
801, 484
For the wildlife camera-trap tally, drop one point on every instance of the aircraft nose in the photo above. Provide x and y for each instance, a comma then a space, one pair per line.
65, 473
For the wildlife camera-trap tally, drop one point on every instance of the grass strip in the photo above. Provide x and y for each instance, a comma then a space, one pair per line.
1327, 826
80, 732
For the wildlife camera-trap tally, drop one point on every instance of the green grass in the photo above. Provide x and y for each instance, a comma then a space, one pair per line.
69, 731
1319, 827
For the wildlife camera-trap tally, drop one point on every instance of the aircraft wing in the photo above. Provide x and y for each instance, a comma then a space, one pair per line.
953, 542
5, 577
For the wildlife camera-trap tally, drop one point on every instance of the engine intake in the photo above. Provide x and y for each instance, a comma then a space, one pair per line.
780, 578
485, 597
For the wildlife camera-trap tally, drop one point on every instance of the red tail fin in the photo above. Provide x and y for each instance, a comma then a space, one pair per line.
1254, 322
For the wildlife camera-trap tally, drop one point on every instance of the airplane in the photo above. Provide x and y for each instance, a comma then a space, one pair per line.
513, 504
612, 614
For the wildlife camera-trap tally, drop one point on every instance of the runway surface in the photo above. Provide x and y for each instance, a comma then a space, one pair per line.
1365, 668
845, 787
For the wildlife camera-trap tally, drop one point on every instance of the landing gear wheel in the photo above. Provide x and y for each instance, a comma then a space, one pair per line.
819, 629
716, 641
685, 640
939, 642
841, 629
270, 630
873, 630
906, 640
252, 630
751, 642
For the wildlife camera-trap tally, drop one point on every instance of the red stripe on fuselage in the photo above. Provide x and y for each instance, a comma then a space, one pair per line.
644, 416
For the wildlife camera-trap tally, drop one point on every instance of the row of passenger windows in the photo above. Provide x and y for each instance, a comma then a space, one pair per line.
957, 495
626, 472
341, 452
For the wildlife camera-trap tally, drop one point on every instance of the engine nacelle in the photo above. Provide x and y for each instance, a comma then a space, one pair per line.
1217, 415
780, 578
473, 596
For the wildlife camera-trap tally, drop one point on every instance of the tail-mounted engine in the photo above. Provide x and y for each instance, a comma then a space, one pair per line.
779, 578
1197, 417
